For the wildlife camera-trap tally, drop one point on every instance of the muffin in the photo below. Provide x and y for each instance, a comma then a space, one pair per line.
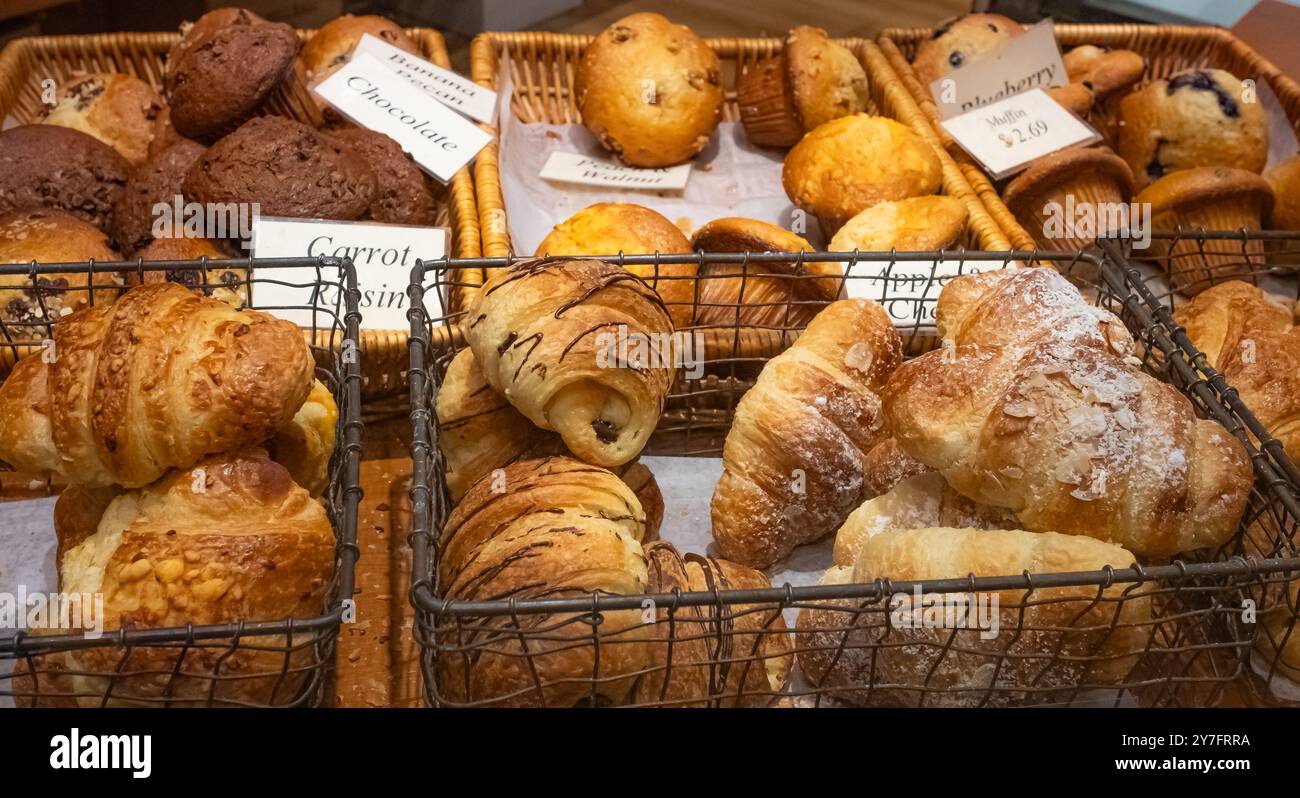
1094, 178
810, 83
649, 90
919, 223
1074, 97
50, 236
287, 168
1104, 72
220, 75
1195, 118
61, 168
608, 228
158, 180
849, 164
402, 194
163, 134
784, 294
228, 285
1207, 198
961, 41
117, 109
331, 46
1285, 181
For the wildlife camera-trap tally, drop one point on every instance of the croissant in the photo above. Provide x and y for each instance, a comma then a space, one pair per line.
919, 502
1034, 405
733, 655
792, 461
1256, 346
549, 528
1028, 647
154, 381
306, 444
541, 332
479, 432
885, 466
232, 539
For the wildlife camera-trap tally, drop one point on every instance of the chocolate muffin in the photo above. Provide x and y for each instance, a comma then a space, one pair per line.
289, 169
117, 109
224, 74
402, 194
49, 236
157, 180
58, 167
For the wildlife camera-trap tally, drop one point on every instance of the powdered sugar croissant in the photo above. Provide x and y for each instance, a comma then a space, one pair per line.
540, 331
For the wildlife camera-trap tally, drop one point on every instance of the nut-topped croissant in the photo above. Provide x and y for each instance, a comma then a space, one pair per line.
545, 334
154, 381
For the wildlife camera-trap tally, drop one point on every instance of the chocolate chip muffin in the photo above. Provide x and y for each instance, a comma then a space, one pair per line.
117, 109
49, 236
58, 167
961, 41
220, 75
227, 284
289, 169
402, 194
157, 180
1200, 117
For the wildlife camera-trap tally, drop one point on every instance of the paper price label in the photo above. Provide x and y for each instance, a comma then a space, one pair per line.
907, 290
383, 255
452, 90
1008, 135
440, 140
1029, 61
570, 167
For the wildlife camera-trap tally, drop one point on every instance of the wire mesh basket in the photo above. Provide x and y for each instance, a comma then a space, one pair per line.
255, 662
1158, 633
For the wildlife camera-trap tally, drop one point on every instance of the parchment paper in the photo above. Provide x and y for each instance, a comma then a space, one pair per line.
27, 546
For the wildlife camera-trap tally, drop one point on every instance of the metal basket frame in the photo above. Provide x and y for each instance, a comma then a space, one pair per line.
334, 341
1208, 594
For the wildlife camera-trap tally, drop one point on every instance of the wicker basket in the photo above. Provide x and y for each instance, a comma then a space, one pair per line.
1166, 48
543, 66
26, 63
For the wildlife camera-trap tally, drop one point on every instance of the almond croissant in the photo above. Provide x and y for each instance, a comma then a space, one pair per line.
154, 381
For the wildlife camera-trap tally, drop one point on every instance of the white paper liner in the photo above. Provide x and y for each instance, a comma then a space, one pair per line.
27, 546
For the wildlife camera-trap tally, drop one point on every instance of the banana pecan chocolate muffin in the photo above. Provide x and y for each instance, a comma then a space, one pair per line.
402, 194
285, 167
57, 167
157, 180
117, 109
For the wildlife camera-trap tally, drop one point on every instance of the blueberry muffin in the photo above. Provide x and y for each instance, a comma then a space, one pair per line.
230, 285
49, 236
1102, 71
402, 194
1195, 118
58, 167
1094, 178
220, 75
289, 169
1074, 97
811, 82
330, 48
157, 180
849, 164
649, 90
117, 109
961, 41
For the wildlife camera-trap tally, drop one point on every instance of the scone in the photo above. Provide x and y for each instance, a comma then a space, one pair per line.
1195, 118
227, 284
332, 45
224, 69
811, 82
608, 228
851, 163
1103, 71
117, 109
783, 294
961, 41
61, 168
402, 193
1040, 197
919, 223
158, 180
49, 236
289, 169
1208, 198
649, 90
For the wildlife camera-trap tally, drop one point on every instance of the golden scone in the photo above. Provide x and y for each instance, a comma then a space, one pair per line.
1285, 180
812, 81
1094, 178
849, 164
608, 228
1103, 71
906, 225
786, 293
1195, 118
50, 236
649, 90
117, 109
1208, 198
961, 41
